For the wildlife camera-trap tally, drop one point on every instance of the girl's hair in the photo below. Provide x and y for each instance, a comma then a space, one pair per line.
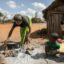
55, 35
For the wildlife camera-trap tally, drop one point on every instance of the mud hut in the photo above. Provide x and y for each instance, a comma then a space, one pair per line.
54, 15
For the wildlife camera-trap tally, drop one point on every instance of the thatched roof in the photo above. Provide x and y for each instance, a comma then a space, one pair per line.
54, 4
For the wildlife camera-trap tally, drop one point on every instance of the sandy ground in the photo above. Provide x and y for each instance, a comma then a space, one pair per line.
37, 55
5, 28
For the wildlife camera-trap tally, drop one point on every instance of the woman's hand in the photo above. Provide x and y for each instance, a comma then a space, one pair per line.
5, 42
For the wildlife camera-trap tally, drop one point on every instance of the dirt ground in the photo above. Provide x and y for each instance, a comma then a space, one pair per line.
5, 28
37, 55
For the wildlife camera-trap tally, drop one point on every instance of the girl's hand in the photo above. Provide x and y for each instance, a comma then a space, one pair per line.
59, 40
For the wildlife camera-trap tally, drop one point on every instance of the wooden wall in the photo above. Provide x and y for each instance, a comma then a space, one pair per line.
54, 23
54, 18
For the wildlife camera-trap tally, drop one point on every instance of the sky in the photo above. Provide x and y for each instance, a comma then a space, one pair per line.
24, 7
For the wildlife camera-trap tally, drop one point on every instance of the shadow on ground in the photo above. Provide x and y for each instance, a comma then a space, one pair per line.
52, 58
39, 34
38, 56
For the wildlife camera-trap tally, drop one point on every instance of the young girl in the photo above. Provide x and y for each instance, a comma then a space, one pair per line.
52, 45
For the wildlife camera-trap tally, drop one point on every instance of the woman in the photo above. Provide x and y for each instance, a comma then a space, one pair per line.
23, 23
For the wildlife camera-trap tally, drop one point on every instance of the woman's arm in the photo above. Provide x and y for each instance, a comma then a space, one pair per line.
11, 31
29, 28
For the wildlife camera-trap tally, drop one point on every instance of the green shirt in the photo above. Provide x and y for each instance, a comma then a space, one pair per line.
53, 45
24, 31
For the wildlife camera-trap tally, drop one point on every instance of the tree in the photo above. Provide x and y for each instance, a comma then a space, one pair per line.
4, 18
1, 16
36, 20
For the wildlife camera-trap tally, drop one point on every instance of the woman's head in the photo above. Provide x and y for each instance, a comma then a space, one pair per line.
18, 19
